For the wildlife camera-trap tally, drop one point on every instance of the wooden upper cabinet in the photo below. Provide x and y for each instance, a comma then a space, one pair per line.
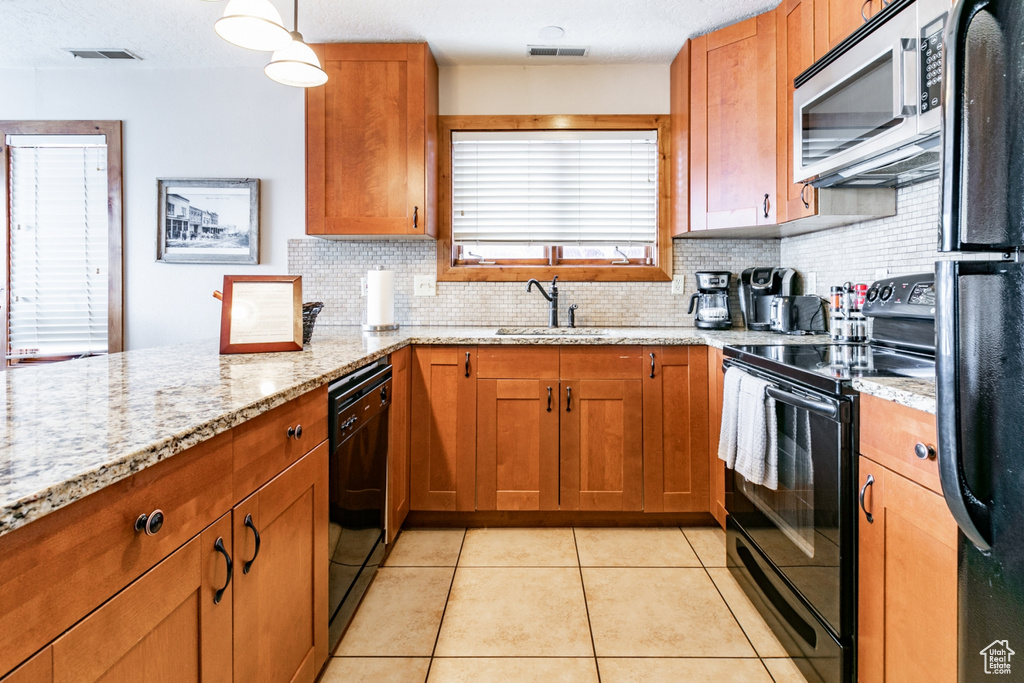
679, 170
907, 604
280, 586
443, 431
795, 53
164, 627
733, 126
676, 429
371, 142
398, 441
837, 19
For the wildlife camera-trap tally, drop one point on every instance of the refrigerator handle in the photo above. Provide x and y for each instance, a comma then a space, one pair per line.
971, 514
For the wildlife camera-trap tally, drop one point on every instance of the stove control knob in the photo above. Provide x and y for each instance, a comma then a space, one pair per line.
873, 293
886, 293
924, 451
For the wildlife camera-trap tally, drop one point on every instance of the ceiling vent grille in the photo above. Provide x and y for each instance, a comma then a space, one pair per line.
555, 51
102, 54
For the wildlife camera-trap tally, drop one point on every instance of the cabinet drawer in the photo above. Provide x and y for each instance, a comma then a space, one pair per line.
888, 434
57, 569
262, 447
601, 362
517, 362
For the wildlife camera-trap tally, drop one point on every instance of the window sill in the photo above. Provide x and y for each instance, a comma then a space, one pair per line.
564, 273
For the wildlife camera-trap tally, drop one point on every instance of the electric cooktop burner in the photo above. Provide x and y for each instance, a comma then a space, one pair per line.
835, 363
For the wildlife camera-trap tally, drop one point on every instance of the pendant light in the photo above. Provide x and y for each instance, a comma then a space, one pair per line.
253, 24
297, 64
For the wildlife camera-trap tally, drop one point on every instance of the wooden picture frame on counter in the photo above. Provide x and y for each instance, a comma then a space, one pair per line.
261, 314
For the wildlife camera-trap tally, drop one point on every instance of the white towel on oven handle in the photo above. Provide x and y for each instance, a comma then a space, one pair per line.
757, 434
730, 412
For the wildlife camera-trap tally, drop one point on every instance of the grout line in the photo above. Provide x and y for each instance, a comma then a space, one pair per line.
727, 605
586, 605
447, 598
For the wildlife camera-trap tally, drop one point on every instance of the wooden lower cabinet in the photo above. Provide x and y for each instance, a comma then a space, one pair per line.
280, 586
675, 438
398, 441
517, 444
443, 431
907, 581
602, 445
164, 627
721, 486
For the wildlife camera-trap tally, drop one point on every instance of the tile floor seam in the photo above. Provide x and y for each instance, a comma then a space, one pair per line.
586, 605
735, 618
448, 597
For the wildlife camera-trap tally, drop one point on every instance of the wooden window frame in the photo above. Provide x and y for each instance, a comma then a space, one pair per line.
448, 271
115, 283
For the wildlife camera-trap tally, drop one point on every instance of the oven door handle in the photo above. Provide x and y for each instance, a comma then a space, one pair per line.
829, 410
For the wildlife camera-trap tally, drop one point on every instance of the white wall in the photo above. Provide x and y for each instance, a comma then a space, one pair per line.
235, 122
181, 123
597, 89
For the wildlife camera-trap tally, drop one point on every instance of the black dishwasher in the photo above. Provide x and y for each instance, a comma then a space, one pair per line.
358, 409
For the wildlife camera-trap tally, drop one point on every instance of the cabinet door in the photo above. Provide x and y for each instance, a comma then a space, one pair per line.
39, 669
163, 627
517, 444
679, 99
371, 140
839, 18
675, 414
280, 537
398, 441
795, 53
719, 482
732, 126
908, 571
443, 473
602, 445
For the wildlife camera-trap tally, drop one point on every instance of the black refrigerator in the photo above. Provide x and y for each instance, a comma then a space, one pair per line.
980, 330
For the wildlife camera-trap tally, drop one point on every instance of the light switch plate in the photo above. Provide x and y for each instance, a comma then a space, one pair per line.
424, 285
811, 283
679, 285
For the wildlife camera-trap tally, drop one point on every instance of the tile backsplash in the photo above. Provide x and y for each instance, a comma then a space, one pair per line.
332, 273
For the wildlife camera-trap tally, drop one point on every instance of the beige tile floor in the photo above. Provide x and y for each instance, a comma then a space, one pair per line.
608, 605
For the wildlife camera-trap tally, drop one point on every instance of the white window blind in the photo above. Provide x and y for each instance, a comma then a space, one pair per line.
58, 246
555, 187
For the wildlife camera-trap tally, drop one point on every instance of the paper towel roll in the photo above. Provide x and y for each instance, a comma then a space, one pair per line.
380, 297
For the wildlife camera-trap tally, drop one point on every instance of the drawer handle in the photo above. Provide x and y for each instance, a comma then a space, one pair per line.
863, 491
549, 399
467, 363
219, 547
568, 399
652, 366
248, 564
924, 451
151, 523
295, 431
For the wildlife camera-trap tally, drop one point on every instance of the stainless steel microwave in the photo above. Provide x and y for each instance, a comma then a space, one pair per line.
868, 112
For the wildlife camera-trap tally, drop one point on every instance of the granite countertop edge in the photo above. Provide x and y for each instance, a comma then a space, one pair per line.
19, 511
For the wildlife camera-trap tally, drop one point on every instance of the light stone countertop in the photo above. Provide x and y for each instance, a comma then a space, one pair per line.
914, 393
72, 428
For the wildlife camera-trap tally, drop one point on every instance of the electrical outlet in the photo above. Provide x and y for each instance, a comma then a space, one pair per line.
811, 283
881, 273
425, 285
362, 287
679, 285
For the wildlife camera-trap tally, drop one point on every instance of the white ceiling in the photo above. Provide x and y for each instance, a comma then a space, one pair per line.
179, 33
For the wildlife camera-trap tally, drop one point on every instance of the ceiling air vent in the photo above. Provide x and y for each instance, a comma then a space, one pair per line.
555, 51
102, 54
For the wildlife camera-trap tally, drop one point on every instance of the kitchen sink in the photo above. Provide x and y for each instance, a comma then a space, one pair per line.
552, 331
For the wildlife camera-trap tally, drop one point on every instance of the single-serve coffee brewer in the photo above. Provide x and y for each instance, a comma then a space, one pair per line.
758, 286
712, 301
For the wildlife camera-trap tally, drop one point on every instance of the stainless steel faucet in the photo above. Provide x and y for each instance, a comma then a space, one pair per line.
552, 297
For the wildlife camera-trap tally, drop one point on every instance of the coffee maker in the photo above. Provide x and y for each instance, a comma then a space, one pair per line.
712, 301
758, 286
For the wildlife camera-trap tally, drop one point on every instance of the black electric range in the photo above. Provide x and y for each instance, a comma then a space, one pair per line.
793, 548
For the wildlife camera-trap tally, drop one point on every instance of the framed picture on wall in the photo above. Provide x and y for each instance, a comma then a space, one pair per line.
208, 220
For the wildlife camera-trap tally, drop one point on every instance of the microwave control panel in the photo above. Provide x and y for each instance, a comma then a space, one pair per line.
931, 64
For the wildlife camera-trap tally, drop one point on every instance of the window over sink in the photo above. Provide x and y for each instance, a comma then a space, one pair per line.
581, 197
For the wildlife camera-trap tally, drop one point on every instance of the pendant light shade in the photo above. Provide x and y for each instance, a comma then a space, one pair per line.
296, 65
253, 24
